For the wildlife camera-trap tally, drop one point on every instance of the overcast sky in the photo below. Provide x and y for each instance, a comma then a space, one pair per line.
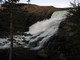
56, 3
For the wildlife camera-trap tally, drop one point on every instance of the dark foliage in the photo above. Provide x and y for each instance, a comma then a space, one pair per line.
21, 19
65, 45
21, 54
14, 1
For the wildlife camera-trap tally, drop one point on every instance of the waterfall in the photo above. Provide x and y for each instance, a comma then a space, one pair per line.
40, 32
43, 30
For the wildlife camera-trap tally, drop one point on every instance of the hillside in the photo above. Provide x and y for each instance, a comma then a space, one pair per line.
62, 45
38, 9
24, 15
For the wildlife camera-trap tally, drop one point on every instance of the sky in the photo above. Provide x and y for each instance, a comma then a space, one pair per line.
55, 3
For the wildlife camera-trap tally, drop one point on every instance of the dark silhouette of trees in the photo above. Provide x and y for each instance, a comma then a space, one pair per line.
13, 1
29, 1
75, 3
0, 0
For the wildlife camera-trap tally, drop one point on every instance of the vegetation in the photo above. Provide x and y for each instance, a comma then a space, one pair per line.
14, 19
28, 1
65, 45
22, 17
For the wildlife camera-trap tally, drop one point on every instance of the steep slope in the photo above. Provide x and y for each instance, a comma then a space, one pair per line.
38, 9
24, 15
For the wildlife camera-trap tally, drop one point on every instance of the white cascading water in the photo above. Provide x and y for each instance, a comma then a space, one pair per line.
40, 32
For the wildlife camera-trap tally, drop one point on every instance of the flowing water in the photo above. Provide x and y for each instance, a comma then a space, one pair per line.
39, 33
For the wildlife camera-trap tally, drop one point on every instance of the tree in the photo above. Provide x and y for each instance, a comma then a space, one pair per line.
75, 3
13, 1
0, 2
11, 29
28, 1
